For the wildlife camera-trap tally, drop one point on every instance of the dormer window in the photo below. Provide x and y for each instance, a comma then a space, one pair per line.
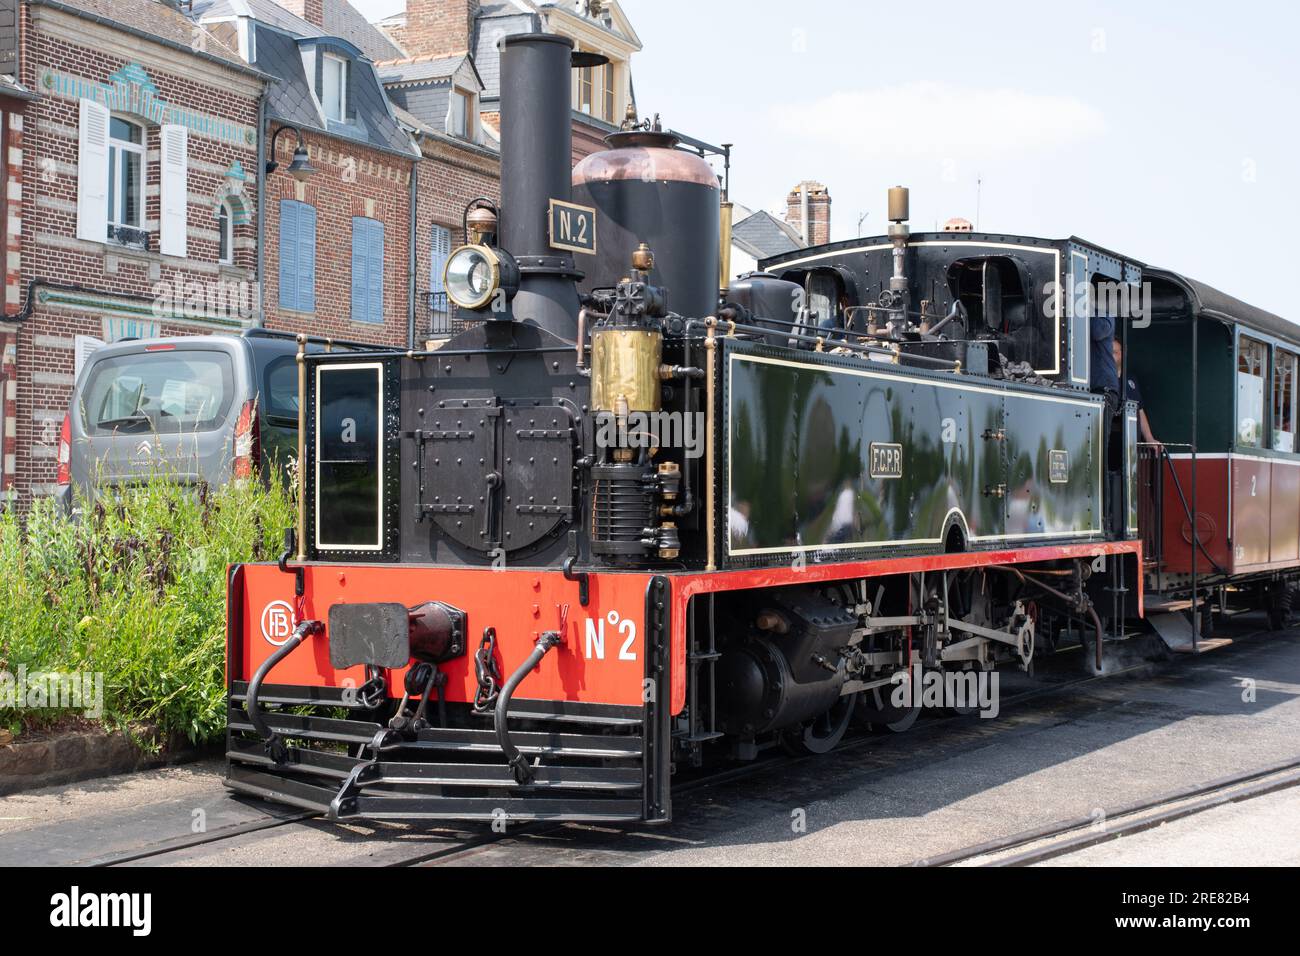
458, 113
462, 110
334, 87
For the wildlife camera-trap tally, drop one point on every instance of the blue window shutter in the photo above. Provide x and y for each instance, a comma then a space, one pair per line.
288, 254
376, 289
360, 266
439, 249
367, 270
306, 257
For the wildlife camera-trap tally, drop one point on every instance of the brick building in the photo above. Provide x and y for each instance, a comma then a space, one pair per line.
137, 196
336, 243
131, 153
601, 94
13, 102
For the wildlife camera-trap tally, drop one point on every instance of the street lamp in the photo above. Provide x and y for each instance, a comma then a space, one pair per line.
300, 167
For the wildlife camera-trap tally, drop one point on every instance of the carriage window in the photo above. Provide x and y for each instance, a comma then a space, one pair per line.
1284, 400
1252, 375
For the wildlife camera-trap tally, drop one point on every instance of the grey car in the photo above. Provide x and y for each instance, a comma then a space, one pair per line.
201, 409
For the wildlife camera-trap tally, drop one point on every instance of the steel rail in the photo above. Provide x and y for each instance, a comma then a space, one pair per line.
930, 731
1216, 793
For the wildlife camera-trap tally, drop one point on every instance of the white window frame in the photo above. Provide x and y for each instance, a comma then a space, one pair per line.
463, 96
226, 232
115, 148
1282, 374
343, 65
610, 86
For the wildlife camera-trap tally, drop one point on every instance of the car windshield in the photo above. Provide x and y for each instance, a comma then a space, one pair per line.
161, 392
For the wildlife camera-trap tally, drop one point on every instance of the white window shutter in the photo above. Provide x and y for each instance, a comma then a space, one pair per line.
175, 190
92, 172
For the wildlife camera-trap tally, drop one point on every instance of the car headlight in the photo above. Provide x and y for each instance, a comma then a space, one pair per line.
473, 275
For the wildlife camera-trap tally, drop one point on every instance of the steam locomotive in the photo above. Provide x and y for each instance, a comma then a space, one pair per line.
625, 521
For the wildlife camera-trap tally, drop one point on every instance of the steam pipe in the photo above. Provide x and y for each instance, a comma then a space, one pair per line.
581, 344
821, 341
274, 745
517, 762
710, 402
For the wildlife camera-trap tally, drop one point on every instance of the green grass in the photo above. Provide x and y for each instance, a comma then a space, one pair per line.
134, 591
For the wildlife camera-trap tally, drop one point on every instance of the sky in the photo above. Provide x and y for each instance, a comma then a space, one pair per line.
1165, 132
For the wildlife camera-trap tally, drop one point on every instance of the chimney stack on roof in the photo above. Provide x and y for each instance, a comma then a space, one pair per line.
438, 28
313, 11
808, 209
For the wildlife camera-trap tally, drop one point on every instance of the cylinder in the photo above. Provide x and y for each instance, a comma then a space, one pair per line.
625, 370
757, 691
536, 158
644, 189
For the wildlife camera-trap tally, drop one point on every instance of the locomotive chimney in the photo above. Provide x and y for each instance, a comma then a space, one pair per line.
536, 163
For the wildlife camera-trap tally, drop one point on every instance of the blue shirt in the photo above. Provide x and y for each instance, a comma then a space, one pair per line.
1104, 374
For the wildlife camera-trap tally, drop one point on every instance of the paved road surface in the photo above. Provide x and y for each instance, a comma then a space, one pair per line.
879, 801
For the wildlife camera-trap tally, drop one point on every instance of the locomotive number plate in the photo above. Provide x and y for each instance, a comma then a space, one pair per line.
573, 227
886, 460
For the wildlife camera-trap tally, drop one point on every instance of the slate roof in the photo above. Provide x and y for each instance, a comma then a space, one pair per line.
344, 20
263, 11
419, 71
766, 233
341, 20
291, 101
156, 20
494, 22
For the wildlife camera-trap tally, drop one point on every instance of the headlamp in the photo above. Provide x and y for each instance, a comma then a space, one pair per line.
473, 275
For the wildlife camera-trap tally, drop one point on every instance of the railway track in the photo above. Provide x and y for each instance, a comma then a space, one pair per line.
902, 750
924, 732
1071, 835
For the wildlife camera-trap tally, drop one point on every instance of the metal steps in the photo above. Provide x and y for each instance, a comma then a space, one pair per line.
1175, 629
312, 796
585, 766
